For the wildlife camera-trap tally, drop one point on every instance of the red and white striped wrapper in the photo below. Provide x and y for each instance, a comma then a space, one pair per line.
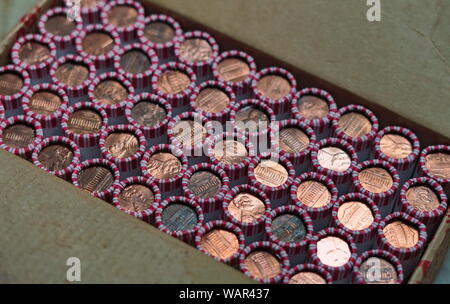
165, 51
253, 231
82, 89
201, 68
89, 14
281, 106
269, 247
179, 100
2, 112
341, 274
358, 276
221, 116
140, 80
39, 70
385, 201
62, 42
308, 268
13, 102
187, 236
65, 173
104, 61
321, 126
342, 180
24, 120
321, 216
222, 225
241, 88
365, 238
167, 185
144, 215
422, 169
409, 257
212, 207
362, 144
105, 195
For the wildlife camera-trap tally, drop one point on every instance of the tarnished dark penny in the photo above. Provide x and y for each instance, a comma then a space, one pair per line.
262, 264
34, 53
312, 107
45, 103
233, 70
246, 208
333, 251
56, 157
334, 158
220, 243
159, 32
204, 184
98, 43
136, 198
135, 62
95, 179
18, 136
230, 152
195, 50
148, 114
173, 82
313, 194
123, 16
355, 215
422, 198
179, 217
189, 132
85, 122
274, 87
438, 164
110, 92
376, 180
378, 271
307, 277
288, 228
271, 173
293, 140
164, 165
395, 146
122, 145
212, 100
10, 84
72, 74
355, 124
60, 25
401, 235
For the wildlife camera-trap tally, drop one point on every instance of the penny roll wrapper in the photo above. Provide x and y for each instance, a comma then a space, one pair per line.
385, 201
166, 50
25, 120
321, 216
358, 276
146, 214
219, 224
321, 126
2, 112
364, 239
89, 14
241, 88
280, 106
202, 69
106, 194
341, 274
13, 102
187, 236
142, 80
342, 180
65, 173
308, 267
253, 231
408, 257
39, 70
422, 169
272, 248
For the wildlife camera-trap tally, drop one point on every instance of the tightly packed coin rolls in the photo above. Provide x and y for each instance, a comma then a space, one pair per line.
377, 267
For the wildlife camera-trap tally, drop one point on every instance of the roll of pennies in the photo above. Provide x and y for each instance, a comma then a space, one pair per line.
377, 267
97, 176
34, 53
380, 181
89, 10
434, 162
265, 262
403, 236
137, 62
14, 83
137, 196
307, 274
220, 240
58, 156
20, 135
236, 69
179, 217
160, 33
2, 112
335, 251
317, 108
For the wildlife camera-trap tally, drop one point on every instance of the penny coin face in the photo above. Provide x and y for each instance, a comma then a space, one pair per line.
288, 228
95, 179
56, 157
122, 145
123, 16
270, 173
307, 277
18, 136
376, 180
274, 87
34, 53
438, 164
251, 117
173, 82
395, 146
45, 103
311, 107
401, 235
159, 32
230, 152
85, 122
378, 271
110, 92
204, 184
233, 70
422, 198
355, 215
189, 132
98, 43
262, 264
136, 198
148, 114
333, 251
195, 50
60, 25
179, 217
246, 208
293, 140
354, 124
135, 62
313, 194
220, 243
164, 165
212, 100
10, 84
334, 158
72, 74
89, 3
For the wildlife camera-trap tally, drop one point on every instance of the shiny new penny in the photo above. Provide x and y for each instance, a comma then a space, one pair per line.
10, 84
98, 43
212, 100
230, 152
355, 215
122, 145
312, 107
246, 208
378, 271
395, 146
44, 103
288, 228
34, 53
179, 217
136, 198
293, 140
189, 132
135, 62
270, 173
56, 157
401, 235
85, 122
354, 124
220, 243
307, 277
195, 50
204, 184
422, 198
173, 82
60, 25
95, 179
376, 180
148, 114
123, 16
313, 194
159, 32
72, 74
18, 136
164, 165
333, 251
110, 92
233, 70
262, 264
334, 158
438, 164
274, 87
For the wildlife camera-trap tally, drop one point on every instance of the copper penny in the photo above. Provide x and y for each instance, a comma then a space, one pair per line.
18, 136
246, 208
123, 16
44, 103
164, 165
60, 25
98, 43
395, 146
179, 217
173, 82
204, 184
378, 271
307, 277
85, 122
355, 215
230, 152
422, 198
212, 100
189, 132
251, 115
401, 235
354, 124
10, 84
288, 228
274, 87
233, 70
376, 180
34, 53
148, 114
333, 251
311, 107
220, 243
135, 62
438, 164
56, 157
72, 74
95, 179
110, 92
293, 140
270, 173
195, 50
89, 3
122, 145
136, 198
159, 32
334, 158
262, 264
313, 194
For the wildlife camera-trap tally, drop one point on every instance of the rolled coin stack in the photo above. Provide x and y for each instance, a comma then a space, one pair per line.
434, 162
14, 83
89, 10
307, 274
377, 267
